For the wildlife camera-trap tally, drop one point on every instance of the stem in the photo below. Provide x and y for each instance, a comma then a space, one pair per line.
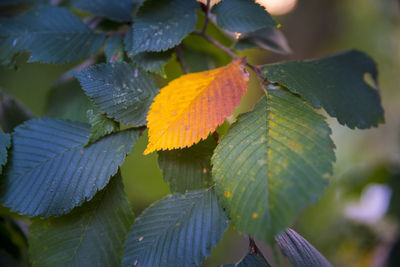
217, 44
254, 249
230, 53
180, 60
207, 17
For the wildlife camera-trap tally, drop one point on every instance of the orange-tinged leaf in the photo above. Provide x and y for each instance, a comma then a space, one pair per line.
192, 106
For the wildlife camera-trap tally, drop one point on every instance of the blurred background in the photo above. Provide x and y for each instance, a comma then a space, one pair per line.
357, 221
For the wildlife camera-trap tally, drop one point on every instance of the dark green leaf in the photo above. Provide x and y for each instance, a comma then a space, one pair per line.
52, 172
51, 34
12, 112
92, 235
179, 230
299, 251
120, 10
120, 90
269, 38
4, 145
68, 101
242, 16
252, 260
101, 126
198, 61
153, 61
335, 83
188, 168
272, 163
114, 49
16, 2
160, 25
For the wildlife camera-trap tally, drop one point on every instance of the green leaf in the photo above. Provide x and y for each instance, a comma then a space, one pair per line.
242, 16
114, 49
161, 25
4, 145
188, 168
52, 172
12, 112
273, 161
153, 61
66, 100
52, 35
335, 83
299, 251
123, 92
91, 235
179, 230
101, 126
120, 10
268, 38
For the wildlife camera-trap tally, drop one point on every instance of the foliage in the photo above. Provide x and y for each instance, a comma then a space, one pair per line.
256, 172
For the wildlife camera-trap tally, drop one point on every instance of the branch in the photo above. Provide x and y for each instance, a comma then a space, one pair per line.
217, 44
207, 17
180, 60
230, 53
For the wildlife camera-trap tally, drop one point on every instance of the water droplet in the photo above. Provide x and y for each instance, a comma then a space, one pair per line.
14, 42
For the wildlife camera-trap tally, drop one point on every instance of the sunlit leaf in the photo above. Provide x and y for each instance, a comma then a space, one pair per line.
120, 90
192, 106
52, 172
91, 235
335, 83
273, 162
188, 168
160, 25
179, 230
299, 251
242, 16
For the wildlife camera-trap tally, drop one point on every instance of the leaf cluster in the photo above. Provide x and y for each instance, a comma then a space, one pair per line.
256, 175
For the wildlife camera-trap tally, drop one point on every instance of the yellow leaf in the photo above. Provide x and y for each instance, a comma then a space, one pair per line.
190, 107
212, 2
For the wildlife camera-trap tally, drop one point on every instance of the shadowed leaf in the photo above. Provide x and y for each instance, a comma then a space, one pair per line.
269, 38
120, 90
242, 16
120, 10
160, 25
4, 145
188, 168
335, 83
52, 35
299, 251
100, 126
91, 235
52, 172
179, 230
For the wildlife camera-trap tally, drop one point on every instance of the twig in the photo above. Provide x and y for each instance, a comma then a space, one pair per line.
253, 249
230, 53
179, 58
217, 44
207, 17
